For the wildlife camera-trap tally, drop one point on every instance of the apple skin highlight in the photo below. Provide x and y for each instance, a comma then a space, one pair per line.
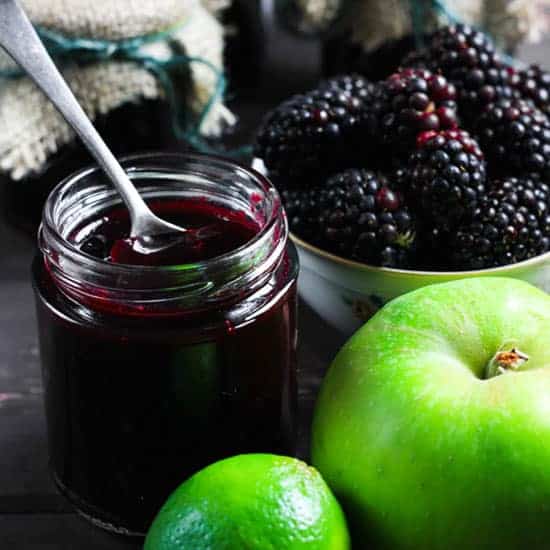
424, 450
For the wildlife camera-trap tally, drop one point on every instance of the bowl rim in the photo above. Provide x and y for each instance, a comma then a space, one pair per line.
541, 258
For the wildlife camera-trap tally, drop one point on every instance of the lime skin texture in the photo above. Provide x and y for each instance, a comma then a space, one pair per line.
251, 502
426, 441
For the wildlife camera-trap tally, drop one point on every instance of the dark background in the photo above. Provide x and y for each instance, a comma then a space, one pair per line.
32, 514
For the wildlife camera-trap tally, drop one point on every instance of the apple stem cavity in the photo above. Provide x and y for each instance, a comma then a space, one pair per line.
505, 361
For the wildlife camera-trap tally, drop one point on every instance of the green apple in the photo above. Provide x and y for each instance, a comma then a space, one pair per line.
433, 424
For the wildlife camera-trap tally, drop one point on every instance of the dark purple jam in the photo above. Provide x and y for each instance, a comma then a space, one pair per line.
136, 402
212, 231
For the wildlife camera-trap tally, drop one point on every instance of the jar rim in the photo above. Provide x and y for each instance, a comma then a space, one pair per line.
48, 221
68, 259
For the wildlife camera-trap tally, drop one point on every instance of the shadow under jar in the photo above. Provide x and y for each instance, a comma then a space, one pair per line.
151, 373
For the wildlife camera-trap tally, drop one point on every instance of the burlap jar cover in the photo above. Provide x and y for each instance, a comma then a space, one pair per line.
374, 22
124, 52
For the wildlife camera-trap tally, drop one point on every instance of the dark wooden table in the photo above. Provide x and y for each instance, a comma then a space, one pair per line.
33, 516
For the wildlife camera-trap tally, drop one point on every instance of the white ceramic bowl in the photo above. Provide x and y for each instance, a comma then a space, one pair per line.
346, 293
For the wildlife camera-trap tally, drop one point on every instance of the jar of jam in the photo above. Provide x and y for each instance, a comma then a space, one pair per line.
151, 372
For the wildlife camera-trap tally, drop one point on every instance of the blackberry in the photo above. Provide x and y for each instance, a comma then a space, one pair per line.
533, 84
97, 246
311, 134
467, 58
511, 224
302, 210
363, 219
431, 237
409, 102
445, 176
354, 84
515, 136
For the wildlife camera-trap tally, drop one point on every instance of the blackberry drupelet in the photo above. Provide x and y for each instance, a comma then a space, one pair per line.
311, 135
511, 224
445, 177
515, 137
354, 84
467, 58
363, 219
533, 84
302, 209
409, 102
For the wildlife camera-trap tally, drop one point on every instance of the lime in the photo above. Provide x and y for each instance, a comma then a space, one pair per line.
251, 502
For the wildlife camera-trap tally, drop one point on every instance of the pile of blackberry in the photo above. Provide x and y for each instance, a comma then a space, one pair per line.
443, 165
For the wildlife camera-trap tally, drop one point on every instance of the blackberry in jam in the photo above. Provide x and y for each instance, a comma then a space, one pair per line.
212, 232
362, 218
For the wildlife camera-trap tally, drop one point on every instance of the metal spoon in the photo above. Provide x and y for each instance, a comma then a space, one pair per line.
149, 233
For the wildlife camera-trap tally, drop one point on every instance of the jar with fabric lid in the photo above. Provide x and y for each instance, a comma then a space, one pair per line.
372, 37
149, 74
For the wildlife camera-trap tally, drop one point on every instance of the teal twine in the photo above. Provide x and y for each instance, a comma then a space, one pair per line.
443, 9
417, 8
85, 50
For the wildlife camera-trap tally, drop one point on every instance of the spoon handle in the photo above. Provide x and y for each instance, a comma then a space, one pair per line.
22, 43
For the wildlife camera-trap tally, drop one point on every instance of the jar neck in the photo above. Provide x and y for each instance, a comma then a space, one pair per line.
77, 203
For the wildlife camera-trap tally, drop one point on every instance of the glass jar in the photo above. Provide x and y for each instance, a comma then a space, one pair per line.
151, 373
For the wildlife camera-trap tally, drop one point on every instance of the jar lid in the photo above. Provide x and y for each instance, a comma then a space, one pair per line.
129, 48
107, 19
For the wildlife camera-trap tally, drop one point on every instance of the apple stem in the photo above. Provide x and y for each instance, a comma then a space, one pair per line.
505, 361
